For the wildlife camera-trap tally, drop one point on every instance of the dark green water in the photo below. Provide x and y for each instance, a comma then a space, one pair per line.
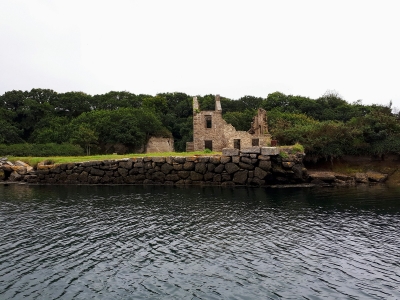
134, 242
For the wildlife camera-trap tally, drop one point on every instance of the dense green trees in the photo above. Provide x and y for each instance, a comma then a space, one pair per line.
327, 127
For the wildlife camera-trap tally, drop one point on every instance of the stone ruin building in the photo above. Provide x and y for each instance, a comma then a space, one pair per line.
211, 131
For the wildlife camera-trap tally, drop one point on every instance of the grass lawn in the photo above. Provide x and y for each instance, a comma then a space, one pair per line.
33, 161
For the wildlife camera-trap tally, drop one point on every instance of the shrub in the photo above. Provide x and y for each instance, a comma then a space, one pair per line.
298, 148
283, 154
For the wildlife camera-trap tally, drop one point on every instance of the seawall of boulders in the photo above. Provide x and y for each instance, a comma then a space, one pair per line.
255, 166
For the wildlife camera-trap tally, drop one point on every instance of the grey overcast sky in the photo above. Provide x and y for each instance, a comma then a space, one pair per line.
234, 48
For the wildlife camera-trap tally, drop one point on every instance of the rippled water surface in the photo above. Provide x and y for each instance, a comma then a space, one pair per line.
132, 242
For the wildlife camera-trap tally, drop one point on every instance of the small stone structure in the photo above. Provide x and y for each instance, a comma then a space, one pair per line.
211, 131
160, 144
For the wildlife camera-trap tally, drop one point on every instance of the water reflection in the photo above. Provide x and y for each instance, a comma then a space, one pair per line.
124, 242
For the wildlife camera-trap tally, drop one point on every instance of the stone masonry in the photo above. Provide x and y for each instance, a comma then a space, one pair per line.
253, 166
211, 131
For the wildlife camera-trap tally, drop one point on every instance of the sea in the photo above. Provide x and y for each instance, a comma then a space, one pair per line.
165, 242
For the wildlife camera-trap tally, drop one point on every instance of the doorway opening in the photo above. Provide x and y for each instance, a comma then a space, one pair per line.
208, 145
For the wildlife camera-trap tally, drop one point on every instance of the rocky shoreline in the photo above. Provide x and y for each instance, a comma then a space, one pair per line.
255, 166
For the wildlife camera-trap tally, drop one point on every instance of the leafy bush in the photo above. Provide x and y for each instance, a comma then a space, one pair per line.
283, 154
298, 148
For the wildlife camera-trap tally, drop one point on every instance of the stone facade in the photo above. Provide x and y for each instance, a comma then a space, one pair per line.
160, 144
211, 131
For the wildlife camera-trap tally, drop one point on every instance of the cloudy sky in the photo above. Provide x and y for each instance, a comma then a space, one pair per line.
234, 48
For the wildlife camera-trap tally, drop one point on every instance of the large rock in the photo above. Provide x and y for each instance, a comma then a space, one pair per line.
219, 169
264, 157
203, 159
210, 167
138, 164
236, 159
172, 177
56, 169
255, 150
73, 177
126, 164
166, 168
158, 176
225, 159
94, 179
178, 167
265, 165
217, 178
240, 177
361, 177
83, 177
376, 176
269, 150
230, 152
15, 176
208, 176
91, 163
123, 172
43, 166
158, 159
200, 168
96, 172
231, 168
19, 169
188, 166
260, 173
226, 177
21, 164
246, 166
215, 160
246, 160
183, 174
323, 176
179, 159
300, 172
196, 176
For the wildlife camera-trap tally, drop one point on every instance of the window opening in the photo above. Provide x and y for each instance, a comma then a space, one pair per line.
236, 144
208, 122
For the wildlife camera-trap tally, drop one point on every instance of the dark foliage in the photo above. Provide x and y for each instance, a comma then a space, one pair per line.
327, 127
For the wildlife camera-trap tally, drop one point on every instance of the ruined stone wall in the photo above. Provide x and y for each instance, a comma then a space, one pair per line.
160, 144
253, 167
210, 126
246, 139
215, 134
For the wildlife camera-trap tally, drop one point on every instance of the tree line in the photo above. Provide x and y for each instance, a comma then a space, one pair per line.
327, 127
